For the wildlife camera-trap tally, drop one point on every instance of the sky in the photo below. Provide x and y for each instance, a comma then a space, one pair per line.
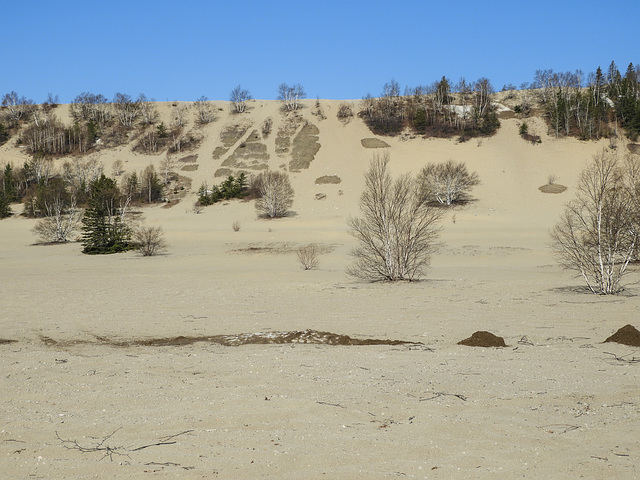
185, 50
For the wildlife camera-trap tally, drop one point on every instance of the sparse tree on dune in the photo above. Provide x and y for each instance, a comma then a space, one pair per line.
396, 231
598, 233
239, 97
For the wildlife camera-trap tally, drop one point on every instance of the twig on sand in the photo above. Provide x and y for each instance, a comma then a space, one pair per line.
442, 394
109, 451
331, 404
560, 428
623, 359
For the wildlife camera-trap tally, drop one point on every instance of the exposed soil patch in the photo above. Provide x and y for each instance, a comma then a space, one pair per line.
483, 339
190, 168
223, 172
305, 147
189, 159
251, 153
634, 147
285, 134
262, 338
627, 335
552, 188
374, 143
328, 179
278, 248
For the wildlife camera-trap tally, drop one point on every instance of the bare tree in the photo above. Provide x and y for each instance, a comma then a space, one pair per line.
308, 256
397, 232
17, 107
79, 172
204, 111
239, 97
117, 167
291, 95
62, 214
275, 194
598, 233
446, 183
179, 114
148, 111
166, 164
126, 108
150, 240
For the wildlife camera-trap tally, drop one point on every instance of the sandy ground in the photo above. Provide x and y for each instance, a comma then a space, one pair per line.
555, 403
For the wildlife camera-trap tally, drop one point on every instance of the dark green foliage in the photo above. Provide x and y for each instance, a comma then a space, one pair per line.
5, 208
103, 225
4, 135
232, 187
9, 184
162, 131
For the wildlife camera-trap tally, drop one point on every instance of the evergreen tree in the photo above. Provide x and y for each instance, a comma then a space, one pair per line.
103, 225
5, 208
9, 184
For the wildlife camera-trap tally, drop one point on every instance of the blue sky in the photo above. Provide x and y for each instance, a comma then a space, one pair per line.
335, 49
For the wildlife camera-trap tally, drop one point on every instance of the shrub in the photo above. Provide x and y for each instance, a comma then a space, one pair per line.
446, 183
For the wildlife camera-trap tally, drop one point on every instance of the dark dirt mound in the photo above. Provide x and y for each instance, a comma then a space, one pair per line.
627, 335
261, 338
483, 339
4, 341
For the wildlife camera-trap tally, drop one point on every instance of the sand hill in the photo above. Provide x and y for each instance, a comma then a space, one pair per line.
123, 346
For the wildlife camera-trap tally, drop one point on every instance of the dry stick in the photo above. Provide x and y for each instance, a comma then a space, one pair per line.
567, 428
441, 394
622, 359
110, 451
331, 404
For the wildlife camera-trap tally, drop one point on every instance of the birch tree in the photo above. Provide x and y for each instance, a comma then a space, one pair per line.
291, 95
446, 183
597, 236
239, 97
275, 194
396, 231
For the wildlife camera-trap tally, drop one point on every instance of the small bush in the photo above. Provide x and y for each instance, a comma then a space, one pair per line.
308, 256
149, 240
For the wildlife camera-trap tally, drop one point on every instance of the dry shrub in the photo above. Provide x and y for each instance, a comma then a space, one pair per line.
150, 240
235, 226
345, 112
308, 256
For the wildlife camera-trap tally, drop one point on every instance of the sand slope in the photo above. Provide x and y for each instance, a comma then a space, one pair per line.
555, 403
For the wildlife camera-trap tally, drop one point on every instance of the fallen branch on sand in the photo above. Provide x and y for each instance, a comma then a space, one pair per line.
442, 394
110, 451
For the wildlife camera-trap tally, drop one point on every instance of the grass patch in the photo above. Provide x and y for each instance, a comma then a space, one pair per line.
328, 179
374, 143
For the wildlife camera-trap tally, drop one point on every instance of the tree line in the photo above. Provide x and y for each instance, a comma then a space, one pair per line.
439, 109
590, 106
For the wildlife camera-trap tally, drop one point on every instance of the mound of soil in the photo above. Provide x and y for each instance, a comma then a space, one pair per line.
483, 339
262, 338
627, 335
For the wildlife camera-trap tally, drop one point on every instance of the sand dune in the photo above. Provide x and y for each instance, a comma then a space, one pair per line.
555, 403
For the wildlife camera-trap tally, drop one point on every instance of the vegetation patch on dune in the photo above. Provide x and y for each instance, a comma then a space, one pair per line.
328, 179
190, 168
374, 143
305, 147
285, 134
552, 188
251, 153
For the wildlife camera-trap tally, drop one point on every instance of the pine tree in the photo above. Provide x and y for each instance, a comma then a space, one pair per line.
9, 186
103, 225
5, 208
